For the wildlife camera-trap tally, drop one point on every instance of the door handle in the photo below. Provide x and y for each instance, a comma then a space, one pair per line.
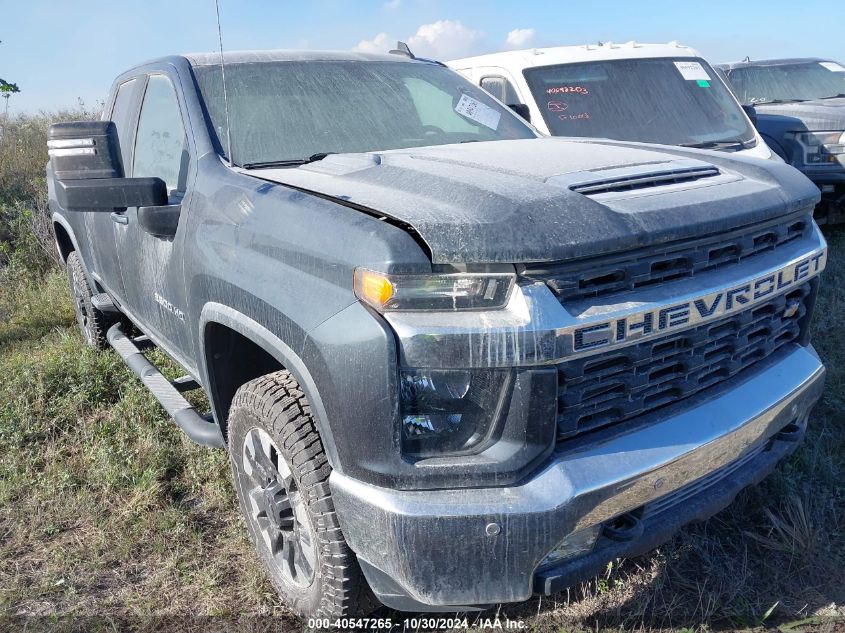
119, 218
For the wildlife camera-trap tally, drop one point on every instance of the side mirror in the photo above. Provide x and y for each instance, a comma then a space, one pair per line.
160, 221
522, 110
87, 171
751, 111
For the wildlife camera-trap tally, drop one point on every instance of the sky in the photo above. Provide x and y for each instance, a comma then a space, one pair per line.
61, 51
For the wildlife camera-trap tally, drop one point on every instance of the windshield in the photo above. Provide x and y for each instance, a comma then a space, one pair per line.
293, 110
670, 101
788, 82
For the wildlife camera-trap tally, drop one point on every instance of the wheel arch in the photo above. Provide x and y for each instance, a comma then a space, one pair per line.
66, 243
224, 327
65, 240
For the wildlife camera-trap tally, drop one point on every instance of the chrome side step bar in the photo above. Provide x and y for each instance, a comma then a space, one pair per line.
195, 426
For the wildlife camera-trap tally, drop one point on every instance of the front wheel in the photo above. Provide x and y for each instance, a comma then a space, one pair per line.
281, 477
92, 322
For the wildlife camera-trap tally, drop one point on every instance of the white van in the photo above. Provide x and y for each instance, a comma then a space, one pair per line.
653, 93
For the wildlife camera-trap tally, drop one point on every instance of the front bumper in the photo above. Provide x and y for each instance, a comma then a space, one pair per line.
831, 182
443, 549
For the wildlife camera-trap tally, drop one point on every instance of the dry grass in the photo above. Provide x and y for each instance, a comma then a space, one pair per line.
111, 520
105, 508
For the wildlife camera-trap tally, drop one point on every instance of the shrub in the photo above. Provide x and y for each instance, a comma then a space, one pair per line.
26, 234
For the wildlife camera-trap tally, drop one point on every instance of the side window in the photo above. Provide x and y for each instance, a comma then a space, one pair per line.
121, 114
500, 88
161, 147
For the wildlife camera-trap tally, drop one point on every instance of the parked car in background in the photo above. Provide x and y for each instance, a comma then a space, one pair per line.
800, 111
654, 93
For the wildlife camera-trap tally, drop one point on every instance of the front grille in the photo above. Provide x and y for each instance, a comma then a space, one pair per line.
617, 385
608, 275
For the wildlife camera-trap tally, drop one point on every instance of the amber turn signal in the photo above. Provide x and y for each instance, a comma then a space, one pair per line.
374, 288
437, 292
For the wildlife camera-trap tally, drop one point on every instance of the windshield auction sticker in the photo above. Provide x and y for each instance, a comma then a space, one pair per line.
692, 71
478, 112
833, 66
556, 90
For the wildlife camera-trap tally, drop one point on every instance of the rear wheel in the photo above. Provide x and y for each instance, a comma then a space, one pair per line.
281, 477
92, 322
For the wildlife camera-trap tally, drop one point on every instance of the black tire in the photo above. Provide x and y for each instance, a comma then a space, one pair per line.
274, 406
92, 322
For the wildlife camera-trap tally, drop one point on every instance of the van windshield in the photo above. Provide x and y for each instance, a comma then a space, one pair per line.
295, 111
665, 100
788, 82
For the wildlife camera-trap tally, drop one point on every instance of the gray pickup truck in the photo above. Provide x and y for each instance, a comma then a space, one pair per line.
454, 364
799, 109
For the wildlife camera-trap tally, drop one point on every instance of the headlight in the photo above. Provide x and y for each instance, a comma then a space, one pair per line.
449, 411
822, 147
458, 291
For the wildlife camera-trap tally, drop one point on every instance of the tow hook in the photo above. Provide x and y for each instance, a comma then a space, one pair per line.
623, 528
792, 432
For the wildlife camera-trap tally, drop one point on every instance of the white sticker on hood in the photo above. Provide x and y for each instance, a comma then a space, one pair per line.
692, 71
837, 68
479, 112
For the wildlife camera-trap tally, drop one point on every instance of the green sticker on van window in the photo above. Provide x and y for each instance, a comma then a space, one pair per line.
703, 83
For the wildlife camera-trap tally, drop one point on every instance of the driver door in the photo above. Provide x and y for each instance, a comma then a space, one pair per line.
104, 260
151, 266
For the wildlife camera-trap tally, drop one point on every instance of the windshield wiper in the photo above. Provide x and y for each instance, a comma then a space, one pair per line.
725, 144
780, 101
290, 162
839, 96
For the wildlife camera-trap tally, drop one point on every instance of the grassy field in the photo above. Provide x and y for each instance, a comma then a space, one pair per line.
111, 520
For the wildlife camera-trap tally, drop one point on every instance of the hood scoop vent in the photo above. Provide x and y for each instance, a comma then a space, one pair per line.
634, 178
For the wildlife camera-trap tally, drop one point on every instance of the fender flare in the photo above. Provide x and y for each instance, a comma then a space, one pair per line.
57, 218
213, 312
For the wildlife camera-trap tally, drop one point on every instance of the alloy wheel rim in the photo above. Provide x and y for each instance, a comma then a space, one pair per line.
277, 509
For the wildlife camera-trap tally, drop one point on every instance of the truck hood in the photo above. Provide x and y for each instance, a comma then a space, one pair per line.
820, 114
551, 199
